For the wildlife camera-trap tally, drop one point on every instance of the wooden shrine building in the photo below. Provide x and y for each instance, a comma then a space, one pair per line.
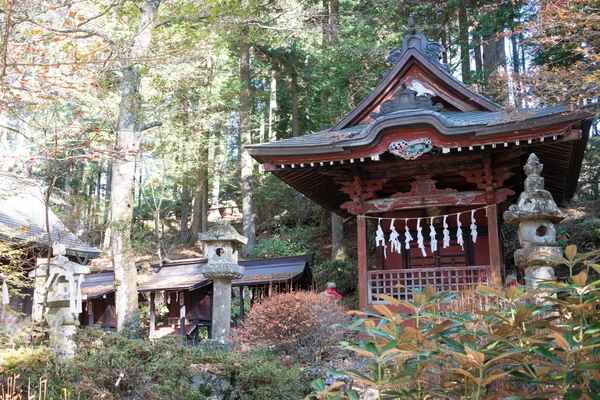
180, 297
423, 154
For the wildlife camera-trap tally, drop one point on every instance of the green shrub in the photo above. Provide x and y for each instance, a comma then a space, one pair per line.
544, 343
302, 325
260, 375
285, 242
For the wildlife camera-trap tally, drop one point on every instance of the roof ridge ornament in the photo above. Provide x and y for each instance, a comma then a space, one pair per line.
416, 40
406, 99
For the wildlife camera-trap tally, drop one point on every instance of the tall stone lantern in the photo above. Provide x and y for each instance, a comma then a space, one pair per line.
535, 213
58, 293
222, 243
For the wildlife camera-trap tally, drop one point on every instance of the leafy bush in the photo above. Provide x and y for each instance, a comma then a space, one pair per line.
259, 375
544, 343
302, 325
285, 242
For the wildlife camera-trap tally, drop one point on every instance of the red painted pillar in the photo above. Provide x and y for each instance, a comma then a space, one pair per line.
362, 262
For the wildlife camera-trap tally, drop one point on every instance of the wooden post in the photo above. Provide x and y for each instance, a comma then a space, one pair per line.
494, 245
152, 314
241, 303
362, 262
107, 310
182, 313
196, 306
90, 311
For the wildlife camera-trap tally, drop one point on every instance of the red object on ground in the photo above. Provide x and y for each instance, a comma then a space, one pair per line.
333, 292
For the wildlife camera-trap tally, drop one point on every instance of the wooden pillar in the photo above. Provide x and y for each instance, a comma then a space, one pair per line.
107, 311
152, 314
196, 306
362, 262
90, 311
241, 303
182, 313
494, 245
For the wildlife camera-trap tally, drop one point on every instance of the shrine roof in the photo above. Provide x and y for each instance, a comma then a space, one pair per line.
185, 275
23, 218
478, 123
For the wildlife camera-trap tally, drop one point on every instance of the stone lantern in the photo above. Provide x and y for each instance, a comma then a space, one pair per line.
58, 292
535, 213
222, 244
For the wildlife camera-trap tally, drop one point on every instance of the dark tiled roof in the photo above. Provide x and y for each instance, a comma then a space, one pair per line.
454, 121
185, 275
23, 218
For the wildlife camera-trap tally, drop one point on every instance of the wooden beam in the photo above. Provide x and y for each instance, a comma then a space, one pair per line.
447, 199
182, 313
90, 310
494, 245
362, 262
196, 303
152, 323
107, 312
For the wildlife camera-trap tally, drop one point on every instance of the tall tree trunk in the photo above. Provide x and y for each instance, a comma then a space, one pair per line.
273, 107
128, 134
338, 249
295, 112
196, 215
325, 24
463, 28
185, 210
493, 55
245, 136
107, 234
334, 24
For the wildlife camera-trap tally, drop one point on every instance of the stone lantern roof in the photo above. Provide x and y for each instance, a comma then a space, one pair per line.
223, 232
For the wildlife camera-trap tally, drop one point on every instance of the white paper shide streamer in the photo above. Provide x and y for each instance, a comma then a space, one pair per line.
473, 227
459, 233
420, 238
407, 236
432, 236
446, 239
394, 242
5, 297
380, 238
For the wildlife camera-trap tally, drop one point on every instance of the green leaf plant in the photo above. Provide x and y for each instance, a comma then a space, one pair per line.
524, 344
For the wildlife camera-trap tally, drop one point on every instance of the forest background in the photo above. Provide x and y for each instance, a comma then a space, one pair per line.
134, 114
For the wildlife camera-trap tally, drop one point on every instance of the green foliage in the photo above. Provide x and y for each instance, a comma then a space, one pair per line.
155, 370
542, 343
286, 242
259, 375
302, 325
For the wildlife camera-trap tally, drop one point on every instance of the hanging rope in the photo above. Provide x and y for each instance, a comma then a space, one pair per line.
394, 235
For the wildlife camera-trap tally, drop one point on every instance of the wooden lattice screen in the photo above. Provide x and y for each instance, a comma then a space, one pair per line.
443, 278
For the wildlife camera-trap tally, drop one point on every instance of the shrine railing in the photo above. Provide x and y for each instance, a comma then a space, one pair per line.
443, 278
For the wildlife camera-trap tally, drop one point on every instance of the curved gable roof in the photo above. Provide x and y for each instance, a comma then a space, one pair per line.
415, 62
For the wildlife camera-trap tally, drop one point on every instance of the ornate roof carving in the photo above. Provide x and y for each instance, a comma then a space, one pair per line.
418, 41
406, 99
